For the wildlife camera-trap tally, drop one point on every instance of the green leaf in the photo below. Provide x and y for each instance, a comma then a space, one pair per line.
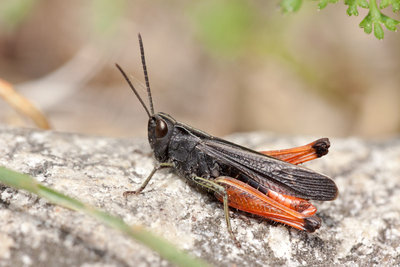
376, 18
390, 24
366, 24
363, 3
385, 3
160, 245
396, 7
290, 5
395, 4
378, 31
323, 3
353, 6
352, 10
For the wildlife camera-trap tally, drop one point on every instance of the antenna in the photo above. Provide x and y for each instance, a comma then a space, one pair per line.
134, 90
146, 78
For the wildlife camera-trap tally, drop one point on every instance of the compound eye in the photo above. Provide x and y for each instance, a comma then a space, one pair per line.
161, 128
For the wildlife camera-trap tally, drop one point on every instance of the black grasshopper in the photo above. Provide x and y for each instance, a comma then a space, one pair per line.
268, 183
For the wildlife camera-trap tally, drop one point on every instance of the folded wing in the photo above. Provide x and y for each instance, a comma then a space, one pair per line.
271, 173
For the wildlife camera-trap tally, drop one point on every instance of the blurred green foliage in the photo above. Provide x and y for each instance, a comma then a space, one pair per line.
106, 15
290, 5
224, 25
13, 12
374, 19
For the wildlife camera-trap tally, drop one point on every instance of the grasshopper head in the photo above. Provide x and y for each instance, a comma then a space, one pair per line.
161, 125
160, 129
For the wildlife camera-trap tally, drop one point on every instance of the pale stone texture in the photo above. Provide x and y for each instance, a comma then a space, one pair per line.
361, 227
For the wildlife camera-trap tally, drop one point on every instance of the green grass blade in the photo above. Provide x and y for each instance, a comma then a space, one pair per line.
160, 245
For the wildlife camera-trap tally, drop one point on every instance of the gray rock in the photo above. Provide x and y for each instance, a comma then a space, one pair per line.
361, 227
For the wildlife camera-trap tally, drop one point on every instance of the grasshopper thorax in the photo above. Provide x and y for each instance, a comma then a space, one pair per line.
160, 129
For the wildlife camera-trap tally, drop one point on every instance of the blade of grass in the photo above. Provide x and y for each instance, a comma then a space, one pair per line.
160, 245
22, 105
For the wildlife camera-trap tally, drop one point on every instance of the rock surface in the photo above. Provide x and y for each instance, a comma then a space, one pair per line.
361, 227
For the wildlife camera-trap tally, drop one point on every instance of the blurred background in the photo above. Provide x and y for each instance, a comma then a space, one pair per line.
221, 66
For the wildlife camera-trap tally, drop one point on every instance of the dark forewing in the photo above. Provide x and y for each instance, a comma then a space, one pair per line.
298, 181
